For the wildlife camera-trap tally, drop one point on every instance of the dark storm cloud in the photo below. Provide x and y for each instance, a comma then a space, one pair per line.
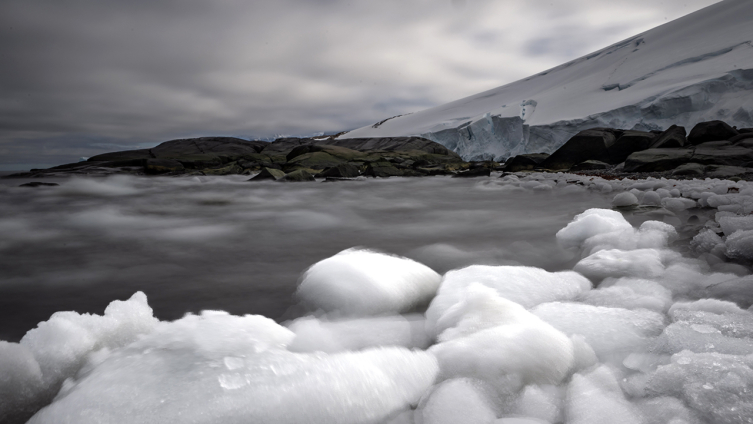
79, 76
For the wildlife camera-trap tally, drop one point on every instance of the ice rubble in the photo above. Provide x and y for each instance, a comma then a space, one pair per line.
638, 333
696, 68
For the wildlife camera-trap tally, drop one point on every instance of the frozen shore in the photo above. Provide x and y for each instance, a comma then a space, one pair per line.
524, 299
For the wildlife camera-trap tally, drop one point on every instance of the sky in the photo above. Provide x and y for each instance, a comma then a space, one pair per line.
84, 77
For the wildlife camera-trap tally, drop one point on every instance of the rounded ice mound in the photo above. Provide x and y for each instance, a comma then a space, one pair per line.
740, 244
609, 331
526, 286
20, 383
459, 400
641, 263
222, 368
520, 346
591, 223
597, 398
651, 198
625, 199
359, 282
629, 293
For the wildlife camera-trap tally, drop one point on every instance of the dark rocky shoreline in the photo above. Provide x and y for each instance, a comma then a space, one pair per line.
712, 149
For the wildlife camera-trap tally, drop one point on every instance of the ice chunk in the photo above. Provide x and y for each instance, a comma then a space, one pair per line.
222, 368
682, 310
651, 234
591, 223
61, 344
731, 224
585, 357
677, 204
312, 334
718, 200
680, 336
717, 385
740, 244
360, 282
630, 293
459, 400
707, 241
524, 285
21, 389
667, 410
689, 279
709, 325
597, 398
625, 199
521, 346
609, 331
541, 402
641, 263
651, 198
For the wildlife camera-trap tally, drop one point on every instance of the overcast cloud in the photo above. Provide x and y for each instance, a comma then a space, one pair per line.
82, 77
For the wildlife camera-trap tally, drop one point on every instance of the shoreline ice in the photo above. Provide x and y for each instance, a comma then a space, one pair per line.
653, 325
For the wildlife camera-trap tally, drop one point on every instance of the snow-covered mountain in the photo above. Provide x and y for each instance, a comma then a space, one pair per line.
693, 69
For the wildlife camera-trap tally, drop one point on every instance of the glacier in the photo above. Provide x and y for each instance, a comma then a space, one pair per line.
693, 69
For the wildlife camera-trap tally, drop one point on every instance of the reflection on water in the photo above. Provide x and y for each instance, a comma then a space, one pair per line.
224, 243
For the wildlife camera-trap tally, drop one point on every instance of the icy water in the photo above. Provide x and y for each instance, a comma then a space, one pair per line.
540, 298
225, 243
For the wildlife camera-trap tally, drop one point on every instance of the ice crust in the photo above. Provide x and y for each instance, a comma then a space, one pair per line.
637, 333
694, 69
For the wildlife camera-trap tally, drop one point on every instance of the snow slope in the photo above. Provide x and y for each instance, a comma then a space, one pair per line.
696, 68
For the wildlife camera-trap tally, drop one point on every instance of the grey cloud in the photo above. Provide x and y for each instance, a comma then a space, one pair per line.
80, 73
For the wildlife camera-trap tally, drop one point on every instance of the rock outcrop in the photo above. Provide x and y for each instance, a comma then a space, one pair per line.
286, 159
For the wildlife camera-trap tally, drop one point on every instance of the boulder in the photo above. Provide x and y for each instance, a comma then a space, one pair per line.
672, 137
162, 166
434, 171
208, 151
125, 155
525, 162
726, 172
257, 165
711, 131
586, 145
38, 184
314, 160
231, 169
474, 172
742, 137
630, 141
723, 153
299, 175
652, 160
382, 169
343, 170
268, 174
690, 169
590, 165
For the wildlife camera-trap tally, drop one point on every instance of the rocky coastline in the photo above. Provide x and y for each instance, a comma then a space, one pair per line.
712, 149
